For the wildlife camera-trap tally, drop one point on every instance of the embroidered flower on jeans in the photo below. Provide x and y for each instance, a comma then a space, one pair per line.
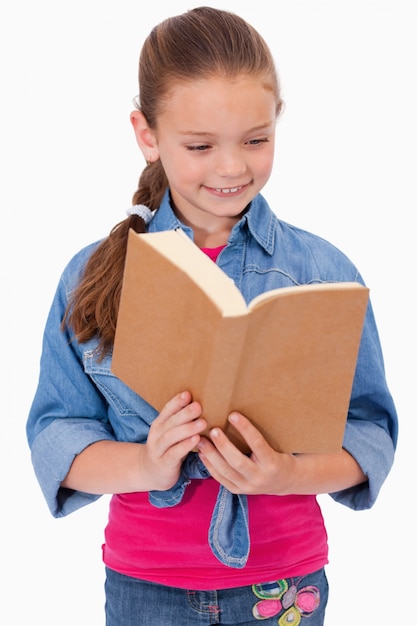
286, 600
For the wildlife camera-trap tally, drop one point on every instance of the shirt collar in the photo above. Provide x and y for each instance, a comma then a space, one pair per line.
260, 221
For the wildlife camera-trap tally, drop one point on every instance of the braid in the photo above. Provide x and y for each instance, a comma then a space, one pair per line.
93, 307
152, 185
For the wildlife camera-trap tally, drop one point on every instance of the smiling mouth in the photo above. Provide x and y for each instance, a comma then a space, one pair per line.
228, 190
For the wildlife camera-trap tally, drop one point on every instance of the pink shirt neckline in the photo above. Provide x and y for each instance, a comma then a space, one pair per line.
213, 253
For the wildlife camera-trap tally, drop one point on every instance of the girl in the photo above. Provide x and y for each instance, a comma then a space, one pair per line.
205, 123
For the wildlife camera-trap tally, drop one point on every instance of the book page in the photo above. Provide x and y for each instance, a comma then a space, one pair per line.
179, 249
299, 289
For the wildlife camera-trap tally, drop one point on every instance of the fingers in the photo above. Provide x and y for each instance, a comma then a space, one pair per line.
176, 404
179, 422
228, 465
247, 430
223, 466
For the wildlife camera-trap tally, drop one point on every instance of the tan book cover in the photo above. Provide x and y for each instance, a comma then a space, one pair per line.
286, 361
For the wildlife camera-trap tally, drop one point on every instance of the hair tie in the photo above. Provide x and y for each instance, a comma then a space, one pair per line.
142, 211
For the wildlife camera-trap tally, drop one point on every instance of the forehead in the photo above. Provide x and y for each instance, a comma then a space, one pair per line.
210, 95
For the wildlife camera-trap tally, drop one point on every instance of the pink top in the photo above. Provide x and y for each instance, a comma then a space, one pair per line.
170, 545
213, 253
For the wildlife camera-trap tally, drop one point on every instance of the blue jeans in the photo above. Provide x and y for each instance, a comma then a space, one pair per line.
292, 601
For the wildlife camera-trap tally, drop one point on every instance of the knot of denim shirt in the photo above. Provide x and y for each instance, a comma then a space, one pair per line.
229, 527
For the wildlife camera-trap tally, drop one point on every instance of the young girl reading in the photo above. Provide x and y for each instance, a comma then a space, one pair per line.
199, 533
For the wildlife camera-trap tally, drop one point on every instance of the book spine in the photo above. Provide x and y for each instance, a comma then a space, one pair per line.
221, 370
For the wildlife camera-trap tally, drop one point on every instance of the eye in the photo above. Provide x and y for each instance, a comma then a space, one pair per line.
257, 142
199, 148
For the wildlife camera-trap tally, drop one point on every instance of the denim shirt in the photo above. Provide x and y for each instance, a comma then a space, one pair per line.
79, 401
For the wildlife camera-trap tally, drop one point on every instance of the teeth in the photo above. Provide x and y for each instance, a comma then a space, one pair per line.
228, 190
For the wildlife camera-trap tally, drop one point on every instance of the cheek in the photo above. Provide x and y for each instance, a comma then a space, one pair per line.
182, 171
188, 169
264, 165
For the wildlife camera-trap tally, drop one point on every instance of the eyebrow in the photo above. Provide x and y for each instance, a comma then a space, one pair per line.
209, 134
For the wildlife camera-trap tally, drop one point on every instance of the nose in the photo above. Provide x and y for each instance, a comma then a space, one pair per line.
230, 163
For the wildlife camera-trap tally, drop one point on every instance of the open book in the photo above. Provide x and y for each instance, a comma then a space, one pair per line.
286, 361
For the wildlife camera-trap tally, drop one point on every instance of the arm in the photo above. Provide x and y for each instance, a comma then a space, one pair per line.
122, 467
269, 472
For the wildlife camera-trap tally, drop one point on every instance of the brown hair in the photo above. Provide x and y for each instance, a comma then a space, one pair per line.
201, 43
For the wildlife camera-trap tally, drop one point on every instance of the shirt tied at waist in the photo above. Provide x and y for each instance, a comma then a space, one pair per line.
229, 526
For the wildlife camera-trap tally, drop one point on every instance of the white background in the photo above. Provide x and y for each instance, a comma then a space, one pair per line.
345, 169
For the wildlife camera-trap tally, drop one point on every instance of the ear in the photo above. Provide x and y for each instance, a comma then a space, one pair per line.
145, 136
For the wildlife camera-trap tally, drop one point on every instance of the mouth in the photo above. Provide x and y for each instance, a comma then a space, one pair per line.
227, 191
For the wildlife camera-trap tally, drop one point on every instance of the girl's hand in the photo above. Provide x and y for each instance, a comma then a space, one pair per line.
172, 435
266, 471
109, 466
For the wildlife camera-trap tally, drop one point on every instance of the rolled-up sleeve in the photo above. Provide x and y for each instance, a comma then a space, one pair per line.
372, 426
68, 413
53, 451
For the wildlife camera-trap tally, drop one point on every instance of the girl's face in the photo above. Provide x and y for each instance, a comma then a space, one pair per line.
215, 139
